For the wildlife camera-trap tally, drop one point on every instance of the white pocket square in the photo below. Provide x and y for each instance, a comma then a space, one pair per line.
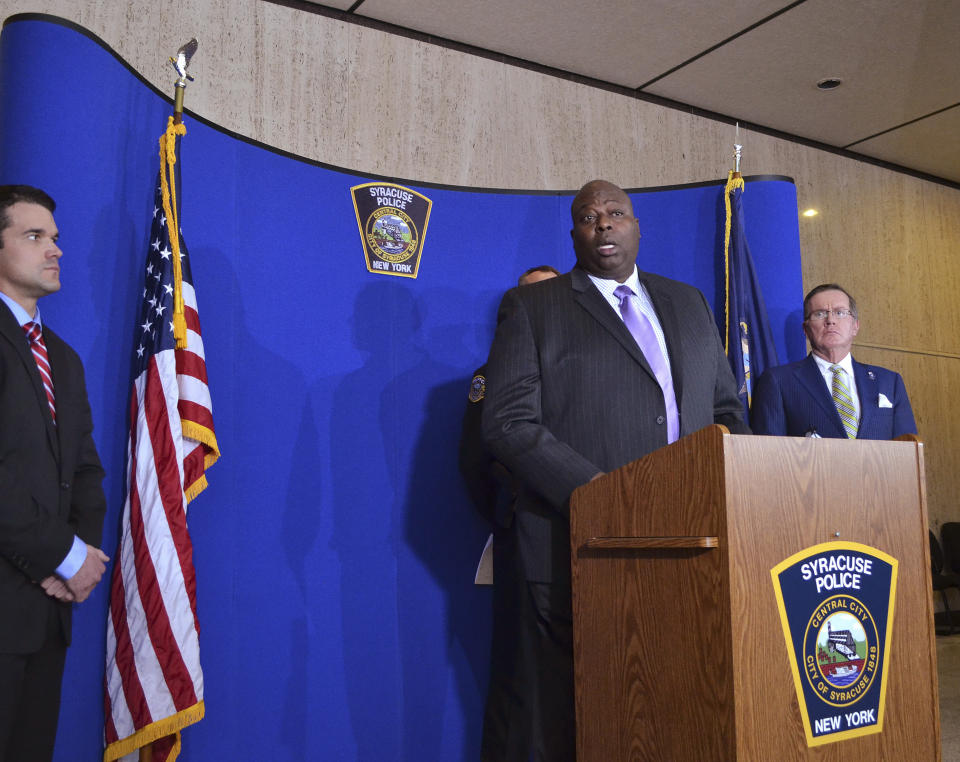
884, 402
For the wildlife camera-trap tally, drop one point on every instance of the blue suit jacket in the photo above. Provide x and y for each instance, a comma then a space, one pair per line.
791, 400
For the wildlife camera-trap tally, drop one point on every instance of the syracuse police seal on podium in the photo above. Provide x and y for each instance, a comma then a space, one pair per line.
393, 224
836, 607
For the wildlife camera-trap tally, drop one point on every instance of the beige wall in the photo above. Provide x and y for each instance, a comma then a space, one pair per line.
369, 101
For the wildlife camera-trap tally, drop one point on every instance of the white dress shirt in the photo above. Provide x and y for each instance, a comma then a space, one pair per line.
641, 301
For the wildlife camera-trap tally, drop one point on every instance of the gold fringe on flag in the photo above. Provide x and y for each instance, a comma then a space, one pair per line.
734, 181
142, 739
168, 185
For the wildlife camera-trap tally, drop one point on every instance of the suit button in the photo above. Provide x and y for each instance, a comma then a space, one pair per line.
660, 419
64, 485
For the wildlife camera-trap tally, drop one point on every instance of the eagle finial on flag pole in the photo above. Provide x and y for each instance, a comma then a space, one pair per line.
180, 65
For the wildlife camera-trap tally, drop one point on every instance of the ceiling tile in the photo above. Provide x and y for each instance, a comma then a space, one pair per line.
898, 61
930, 145
623, 42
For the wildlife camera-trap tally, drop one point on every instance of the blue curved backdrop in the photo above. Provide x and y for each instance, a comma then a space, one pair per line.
335, 547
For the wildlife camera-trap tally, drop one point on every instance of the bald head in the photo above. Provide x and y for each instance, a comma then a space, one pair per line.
594, 188
606, 234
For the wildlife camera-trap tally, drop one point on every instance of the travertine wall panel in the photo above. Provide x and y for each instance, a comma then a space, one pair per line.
381, 104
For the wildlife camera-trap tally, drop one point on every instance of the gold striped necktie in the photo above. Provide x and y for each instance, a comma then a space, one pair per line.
844, 402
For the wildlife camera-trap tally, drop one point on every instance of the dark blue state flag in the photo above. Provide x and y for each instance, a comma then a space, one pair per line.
748, 339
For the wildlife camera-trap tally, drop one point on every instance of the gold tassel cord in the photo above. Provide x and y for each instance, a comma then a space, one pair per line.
168, 185
732, 184
168, 188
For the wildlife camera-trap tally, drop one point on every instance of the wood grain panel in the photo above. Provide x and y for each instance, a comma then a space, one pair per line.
680, 652
932, 383
791, 507
652, 625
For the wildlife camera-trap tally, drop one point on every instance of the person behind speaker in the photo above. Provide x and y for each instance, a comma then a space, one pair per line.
51, 495
828, 393
507, 715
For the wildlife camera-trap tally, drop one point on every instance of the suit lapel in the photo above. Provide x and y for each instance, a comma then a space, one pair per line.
810, 378
869, 398
13, 333
588, 297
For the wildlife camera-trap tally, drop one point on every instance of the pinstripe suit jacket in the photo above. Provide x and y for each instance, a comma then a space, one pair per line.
50, 482
569, 394
790, 400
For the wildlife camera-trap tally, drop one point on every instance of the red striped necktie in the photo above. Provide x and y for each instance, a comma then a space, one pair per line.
39, 349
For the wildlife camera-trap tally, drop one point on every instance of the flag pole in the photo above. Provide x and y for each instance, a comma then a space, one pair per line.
747, 338
734, 181
169, 182
154, 684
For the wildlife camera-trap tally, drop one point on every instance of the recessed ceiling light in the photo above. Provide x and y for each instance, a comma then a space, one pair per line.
830, 83
811, 213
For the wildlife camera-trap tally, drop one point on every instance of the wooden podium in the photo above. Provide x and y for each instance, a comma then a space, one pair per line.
678, 643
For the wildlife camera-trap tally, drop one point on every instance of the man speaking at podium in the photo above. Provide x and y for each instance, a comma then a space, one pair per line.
588, 372
829, 394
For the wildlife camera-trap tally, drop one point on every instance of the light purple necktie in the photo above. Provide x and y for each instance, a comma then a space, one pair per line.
639, 326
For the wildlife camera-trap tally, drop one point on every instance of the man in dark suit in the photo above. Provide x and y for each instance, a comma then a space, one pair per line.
829, 394
571, 394
51, 496
507, 715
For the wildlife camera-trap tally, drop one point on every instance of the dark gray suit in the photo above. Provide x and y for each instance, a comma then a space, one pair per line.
50, 488
569, 394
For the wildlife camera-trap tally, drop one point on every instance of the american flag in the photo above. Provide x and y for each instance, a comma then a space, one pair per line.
153, 682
